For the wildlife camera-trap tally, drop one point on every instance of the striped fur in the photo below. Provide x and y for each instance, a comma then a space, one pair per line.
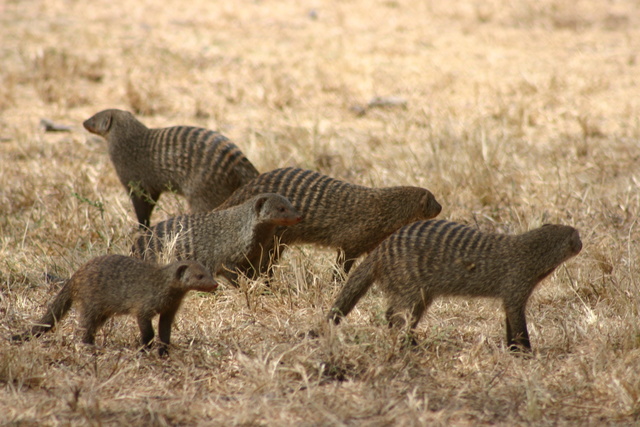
427, 259
221, 239
200, 164
117, 284
351, 218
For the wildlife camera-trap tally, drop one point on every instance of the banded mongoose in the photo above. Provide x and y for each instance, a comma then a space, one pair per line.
352, 218
220, 239
201, 164
118, 284
427, 259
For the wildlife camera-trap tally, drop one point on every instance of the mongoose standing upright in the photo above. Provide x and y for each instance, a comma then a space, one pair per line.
221, 239
118, 284
201, 164
430, 258
352, 218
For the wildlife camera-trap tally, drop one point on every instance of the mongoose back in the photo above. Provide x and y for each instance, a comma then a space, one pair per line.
352, 218
118, 284
201, 164
430, 258
221, 239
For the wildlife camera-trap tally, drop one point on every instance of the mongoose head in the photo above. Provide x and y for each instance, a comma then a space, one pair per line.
101, 123
568, 237
553, 244
429, 205
191, 275
276, 209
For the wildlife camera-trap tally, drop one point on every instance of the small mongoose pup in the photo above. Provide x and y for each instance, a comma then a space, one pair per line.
221, 239
430, 258
201, 164
118, 284
352, 218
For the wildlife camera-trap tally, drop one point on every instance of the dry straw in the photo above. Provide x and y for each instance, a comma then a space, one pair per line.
517, 113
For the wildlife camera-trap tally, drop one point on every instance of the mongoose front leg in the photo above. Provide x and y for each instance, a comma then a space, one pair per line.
146, 329
164, 329
517, 335
143, 204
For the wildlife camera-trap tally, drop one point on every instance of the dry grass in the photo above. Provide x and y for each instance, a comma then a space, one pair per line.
518, 113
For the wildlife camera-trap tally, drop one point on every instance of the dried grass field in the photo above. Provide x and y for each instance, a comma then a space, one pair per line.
514, 114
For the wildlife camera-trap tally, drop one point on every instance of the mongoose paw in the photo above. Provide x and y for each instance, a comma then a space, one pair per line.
311, 334
520, 350
409, 341
19, 338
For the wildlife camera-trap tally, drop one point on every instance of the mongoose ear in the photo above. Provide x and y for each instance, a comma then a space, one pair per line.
99, 123
430, 205
260, 203
104, 124
182, 268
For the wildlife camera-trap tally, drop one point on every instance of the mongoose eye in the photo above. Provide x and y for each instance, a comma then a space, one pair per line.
200, 276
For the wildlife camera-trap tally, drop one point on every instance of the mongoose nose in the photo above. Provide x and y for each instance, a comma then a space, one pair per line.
437, 208
576, 244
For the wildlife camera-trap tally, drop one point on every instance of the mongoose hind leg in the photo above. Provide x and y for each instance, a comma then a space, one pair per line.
397, 315
146, 329
517, 334
403, 308
91, 322
143, 204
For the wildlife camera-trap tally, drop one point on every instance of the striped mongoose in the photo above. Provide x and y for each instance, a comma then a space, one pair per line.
220, 239
118, 284
430, 258
201, 164
352, 218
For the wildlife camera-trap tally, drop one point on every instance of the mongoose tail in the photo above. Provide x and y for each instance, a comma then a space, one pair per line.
56, 311
358, 283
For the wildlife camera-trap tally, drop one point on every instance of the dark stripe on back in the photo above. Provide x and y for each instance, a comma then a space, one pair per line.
303, 201
452, 238
483, 243
291, 183
166, 138
211, 159
231, 155
196, 142
412, 236
271, 181
461, 241
317, 193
